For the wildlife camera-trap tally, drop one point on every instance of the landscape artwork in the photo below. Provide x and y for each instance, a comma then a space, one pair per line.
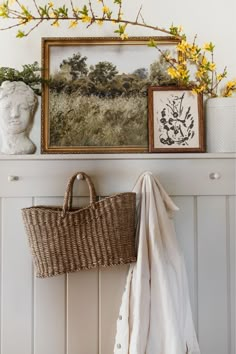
95, 99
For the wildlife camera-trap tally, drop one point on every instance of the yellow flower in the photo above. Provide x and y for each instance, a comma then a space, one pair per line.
231, 84
124, 36
182, 72
195, 58
182, 60
73, 24
50, 4
3, 11
183, 46
99, 22
219, 77
86, 18
204, 60
194, 53
22, 22
209, 47
200, 73
229, 89
199, 89
52, 14
195, 90
212, 66
56, 23
106, 9
172, 72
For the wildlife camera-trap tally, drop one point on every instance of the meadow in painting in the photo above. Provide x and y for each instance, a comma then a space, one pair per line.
97, 97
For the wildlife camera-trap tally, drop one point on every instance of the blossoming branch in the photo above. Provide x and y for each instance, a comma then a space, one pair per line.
191, 66
22, 15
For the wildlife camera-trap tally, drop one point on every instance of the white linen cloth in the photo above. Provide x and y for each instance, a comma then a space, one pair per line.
155, 314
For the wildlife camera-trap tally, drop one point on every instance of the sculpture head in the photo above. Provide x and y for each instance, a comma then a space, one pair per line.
17, 104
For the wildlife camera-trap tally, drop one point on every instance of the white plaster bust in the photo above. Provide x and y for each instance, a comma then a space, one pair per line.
17, 107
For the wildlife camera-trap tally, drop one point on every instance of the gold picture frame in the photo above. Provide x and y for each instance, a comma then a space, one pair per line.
176, 120
94, 97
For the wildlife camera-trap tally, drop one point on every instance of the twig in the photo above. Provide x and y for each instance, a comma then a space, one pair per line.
91, 22
9, 27
35, 4
18, 2
212, 77
73, 9
17, 16
91, 10
119, 11
138, 14
37, 24
142, 19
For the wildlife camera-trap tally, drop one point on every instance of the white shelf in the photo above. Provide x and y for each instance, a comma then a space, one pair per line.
137, 156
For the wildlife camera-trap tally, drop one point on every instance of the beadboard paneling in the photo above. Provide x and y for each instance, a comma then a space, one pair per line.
16, 281
213, 321
83, 312
185, 222
111, 286
231, 214
76, 313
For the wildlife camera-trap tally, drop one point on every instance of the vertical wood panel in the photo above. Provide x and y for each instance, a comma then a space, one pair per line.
83, 312
16, 280
50, 307
212, 270
0, 275
232, 279
112, 283
185, 232
50, 316
82, 307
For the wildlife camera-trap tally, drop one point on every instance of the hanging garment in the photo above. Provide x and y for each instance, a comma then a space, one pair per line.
155, 315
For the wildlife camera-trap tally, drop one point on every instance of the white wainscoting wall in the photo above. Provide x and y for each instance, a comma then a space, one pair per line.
76, 313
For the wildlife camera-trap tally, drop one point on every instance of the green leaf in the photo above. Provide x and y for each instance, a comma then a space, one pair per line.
4, 10
84, 11
43, 11
20, 34
63, 11
152, 43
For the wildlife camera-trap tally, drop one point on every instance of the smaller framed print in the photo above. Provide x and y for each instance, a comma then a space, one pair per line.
176, 122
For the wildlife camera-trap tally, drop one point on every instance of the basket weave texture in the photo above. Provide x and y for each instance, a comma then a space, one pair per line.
64, 239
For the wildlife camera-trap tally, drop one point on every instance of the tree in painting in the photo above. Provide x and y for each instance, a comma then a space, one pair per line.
95, 105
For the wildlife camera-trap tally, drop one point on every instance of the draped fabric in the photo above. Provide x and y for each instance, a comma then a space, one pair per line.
155, 314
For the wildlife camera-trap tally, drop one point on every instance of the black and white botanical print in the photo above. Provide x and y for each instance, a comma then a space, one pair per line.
176, 121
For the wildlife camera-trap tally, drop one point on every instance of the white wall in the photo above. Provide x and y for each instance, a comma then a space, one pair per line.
210, 20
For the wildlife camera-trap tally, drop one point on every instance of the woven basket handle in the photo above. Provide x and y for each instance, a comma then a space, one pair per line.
69, 191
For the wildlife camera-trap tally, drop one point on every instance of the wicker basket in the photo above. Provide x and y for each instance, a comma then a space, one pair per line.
64, 240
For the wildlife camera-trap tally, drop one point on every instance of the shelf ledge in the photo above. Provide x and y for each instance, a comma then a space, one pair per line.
137, 156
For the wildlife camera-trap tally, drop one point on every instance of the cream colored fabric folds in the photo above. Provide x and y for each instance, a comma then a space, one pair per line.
155, 315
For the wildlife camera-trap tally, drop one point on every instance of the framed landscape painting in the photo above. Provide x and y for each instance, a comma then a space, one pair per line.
95, 96
175, 120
